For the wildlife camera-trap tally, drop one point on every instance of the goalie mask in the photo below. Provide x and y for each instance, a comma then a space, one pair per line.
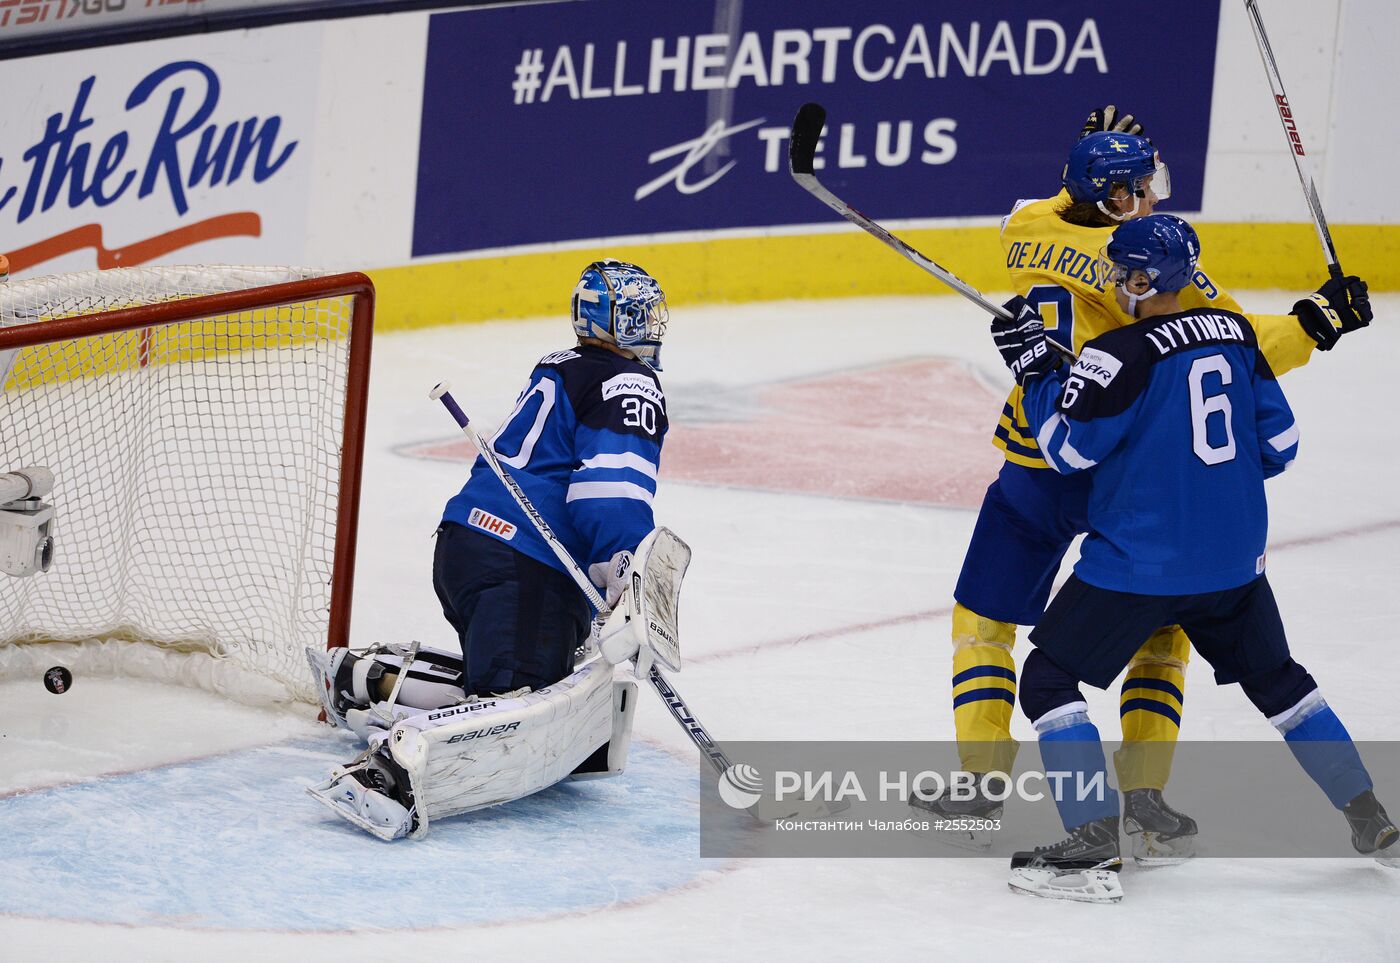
623, 305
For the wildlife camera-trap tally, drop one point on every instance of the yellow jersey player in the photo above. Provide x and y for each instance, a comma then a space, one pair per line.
1031, 514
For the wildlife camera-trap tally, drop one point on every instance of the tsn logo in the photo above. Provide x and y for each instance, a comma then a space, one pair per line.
504, 727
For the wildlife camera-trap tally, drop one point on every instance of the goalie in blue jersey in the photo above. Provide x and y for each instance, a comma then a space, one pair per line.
584, 444
1181, 420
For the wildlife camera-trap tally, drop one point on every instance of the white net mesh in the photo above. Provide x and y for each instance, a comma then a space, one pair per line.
197, 470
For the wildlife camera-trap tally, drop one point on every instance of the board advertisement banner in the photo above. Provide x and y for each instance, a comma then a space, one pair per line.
618, 118
167, 151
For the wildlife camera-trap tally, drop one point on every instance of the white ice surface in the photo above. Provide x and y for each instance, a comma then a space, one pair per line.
805, 617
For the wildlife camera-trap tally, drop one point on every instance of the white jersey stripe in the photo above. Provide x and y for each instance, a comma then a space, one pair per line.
626, 459
581, 490
1043, 439
1073, 458
1285, 439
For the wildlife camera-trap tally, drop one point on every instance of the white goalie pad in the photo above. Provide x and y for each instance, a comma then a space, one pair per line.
612, 759
495, 750
648, 613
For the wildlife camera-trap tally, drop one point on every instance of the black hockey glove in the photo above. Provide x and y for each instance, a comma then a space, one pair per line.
1336, 308
1108, 118
1022, 341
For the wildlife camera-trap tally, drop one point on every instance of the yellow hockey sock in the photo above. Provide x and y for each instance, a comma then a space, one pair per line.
1150, 708
984, 691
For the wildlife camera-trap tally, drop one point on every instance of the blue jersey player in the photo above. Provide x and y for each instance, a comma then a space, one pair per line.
1031, 513
449, 734
1181, 420
584, 443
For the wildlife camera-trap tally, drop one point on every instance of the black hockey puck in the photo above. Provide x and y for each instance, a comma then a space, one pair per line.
58, 680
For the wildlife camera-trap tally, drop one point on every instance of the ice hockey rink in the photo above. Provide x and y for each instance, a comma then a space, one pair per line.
824, 463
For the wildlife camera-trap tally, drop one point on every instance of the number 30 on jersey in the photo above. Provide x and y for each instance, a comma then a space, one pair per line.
638, 413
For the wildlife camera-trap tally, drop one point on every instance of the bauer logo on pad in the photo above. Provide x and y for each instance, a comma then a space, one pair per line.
1099, 365
490, 523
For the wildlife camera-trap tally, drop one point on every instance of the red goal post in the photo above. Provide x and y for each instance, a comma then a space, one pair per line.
207, 451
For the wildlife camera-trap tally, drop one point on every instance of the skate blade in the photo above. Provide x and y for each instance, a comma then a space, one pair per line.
1082, 886
770, 810
1390, 856
323, 795
969, 840
1152, 851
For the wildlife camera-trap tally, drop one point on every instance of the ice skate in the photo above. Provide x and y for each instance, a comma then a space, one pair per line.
1083, 867
1372, 831
965, 812
360, 794
1161, 835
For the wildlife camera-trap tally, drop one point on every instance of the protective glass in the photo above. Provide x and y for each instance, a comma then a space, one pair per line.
1159, 182
1120, 274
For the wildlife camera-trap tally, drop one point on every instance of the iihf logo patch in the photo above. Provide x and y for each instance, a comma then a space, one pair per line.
490, 523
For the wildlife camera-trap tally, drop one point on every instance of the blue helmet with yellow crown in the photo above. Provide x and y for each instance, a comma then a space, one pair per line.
1101, 160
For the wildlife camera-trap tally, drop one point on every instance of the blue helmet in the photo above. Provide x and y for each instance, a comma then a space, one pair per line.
1100, 160
620, 303
1162, 245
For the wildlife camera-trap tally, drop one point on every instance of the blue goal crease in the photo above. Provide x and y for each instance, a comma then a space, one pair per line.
233, 842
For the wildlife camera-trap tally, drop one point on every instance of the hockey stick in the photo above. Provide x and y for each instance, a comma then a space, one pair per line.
1295, 140
802, 150
702, 739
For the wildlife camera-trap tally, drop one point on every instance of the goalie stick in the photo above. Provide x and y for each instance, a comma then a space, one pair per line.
1295, 140
802, 149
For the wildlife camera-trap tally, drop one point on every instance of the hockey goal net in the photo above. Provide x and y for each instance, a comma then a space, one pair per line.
204, 428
